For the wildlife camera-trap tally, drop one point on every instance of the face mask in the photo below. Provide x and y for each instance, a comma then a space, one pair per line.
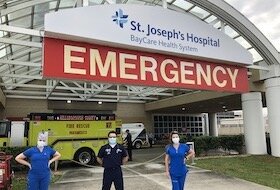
41, 144
176, 140
112, 141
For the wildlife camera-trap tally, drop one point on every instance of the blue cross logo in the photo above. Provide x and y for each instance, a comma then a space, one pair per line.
120, 18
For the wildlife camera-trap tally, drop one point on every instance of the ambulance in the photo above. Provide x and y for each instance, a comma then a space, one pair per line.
76, 136
138, 132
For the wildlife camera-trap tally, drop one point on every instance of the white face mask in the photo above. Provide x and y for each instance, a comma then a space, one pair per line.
112, 141
176, 140
41, 144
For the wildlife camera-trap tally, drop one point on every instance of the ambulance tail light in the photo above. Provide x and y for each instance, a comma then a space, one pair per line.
2, 172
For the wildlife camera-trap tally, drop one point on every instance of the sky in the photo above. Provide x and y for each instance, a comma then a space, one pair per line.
265, 14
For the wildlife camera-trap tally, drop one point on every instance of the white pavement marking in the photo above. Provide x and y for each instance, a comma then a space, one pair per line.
163, 185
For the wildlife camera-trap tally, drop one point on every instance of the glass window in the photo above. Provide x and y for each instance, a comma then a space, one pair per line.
3, 129
92, 2
155, 118
170, 124
67, 3
217, 25
183, 4
170, 130
181, 123
156, 130
243, 42
212, 19
170, 118
2, 50
197, 11
179, 118
23, 22
256, 55
230, 32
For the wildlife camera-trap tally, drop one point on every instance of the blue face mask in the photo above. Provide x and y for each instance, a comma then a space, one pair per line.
112, 141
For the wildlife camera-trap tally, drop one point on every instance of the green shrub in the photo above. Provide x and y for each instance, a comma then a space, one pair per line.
203, 144
206, 143
199, 144
234, 142
185, 138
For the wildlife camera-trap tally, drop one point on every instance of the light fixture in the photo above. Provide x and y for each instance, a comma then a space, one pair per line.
68, 101
183, 109
224, 107
100, 102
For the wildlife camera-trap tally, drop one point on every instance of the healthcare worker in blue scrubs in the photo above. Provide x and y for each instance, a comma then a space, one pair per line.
176, 155
39, 159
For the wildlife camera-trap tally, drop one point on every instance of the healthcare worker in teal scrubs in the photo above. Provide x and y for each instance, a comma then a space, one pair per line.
176, 154
39, 159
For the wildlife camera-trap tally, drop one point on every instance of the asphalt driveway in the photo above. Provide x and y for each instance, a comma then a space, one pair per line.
146, 172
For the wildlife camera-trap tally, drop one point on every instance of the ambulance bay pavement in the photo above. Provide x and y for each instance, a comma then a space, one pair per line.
146, 172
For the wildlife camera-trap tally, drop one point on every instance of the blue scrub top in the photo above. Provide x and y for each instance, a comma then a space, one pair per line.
39, 160
177, 166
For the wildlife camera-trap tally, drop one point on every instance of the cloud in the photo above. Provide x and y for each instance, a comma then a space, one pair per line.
264, 14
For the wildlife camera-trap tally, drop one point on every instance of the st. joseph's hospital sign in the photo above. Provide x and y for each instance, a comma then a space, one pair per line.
142, 45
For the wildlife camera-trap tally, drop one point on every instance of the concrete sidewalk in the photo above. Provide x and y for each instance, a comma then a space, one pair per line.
150, 176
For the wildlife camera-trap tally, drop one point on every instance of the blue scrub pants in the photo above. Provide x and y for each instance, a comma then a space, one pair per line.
111, 175
37, 182
178, 182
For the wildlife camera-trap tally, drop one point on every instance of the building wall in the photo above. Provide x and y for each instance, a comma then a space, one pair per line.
21, 107
127, 112
131, 113
235, 126
2, 113
236, 130
2, 99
